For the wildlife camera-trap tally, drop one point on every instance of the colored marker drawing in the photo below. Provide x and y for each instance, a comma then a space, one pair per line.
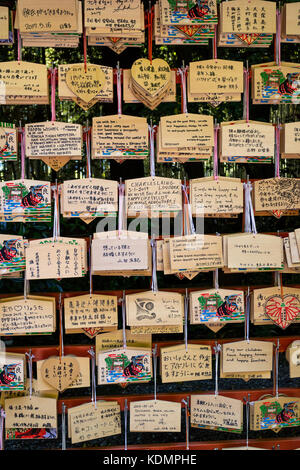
273, 414
213, 306
7, 148
30, 433
121, 366
278, 86
282, 310
192, 10
12, 256
11, 377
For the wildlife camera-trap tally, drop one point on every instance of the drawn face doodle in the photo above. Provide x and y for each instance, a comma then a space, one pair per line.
144, 309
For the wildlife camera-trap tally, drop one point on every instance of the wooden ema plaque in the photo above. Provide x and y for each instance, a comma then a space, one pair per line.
289, 140
155, 416
94, 421
124, 365
247, 356
274, 304
53, 142
216, 412
8, 140
181, 364
274, 84
220, 197
216, 76
120, 137
89, 198
81, 380
277, 195
91, 311
247, 142
26, 316
154, 308
152, 196
23, 83
215, 308
292, 355
275, 413
31, 417
12, 371
60, 372
251, 18
150, 81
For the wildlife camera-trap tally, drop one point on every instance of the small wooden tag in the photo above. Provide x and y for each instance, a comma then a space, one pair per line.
60, 372
85, 84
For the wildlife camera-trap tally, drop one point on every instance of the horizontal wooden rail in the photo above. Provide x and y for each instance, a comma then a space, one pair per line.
81, 350
270, 444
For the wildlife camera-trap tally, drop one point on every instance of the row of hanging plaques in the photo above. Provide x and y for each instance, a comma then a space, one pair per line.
241, 23
183, 138
130, 364
150, 82
95, 420
129, 253
26, 200
150, 312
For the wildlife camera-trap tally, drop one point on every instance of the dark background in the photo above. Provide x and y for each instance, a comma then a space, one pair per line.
68, 111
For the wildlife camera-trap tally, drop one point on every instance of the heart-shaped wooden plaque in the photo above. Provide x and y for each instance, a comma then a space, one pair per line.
282, 310
60, 372
86, 85
150, 81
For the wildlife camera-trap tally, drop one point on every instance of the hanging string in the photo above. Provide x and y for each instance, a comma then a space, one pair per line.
189, 209
61, 333
186, 310
154, 285
247, 316
121, 212
215, 42
84, 50
217, 349
215, 169
250, 225
182, 71
277, 157
26, 286
94, 387
55, 215
2, 416
246, 94
90, 271
216, 279
187, 423
278, 38
154, 356
125, 423
30, 357
23, 151
150, 16
276, 368
19, 47
119, 88
247, 402
63, 426
277, 279
152, 132
53, 88
88, 150
124, 320
56, 221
